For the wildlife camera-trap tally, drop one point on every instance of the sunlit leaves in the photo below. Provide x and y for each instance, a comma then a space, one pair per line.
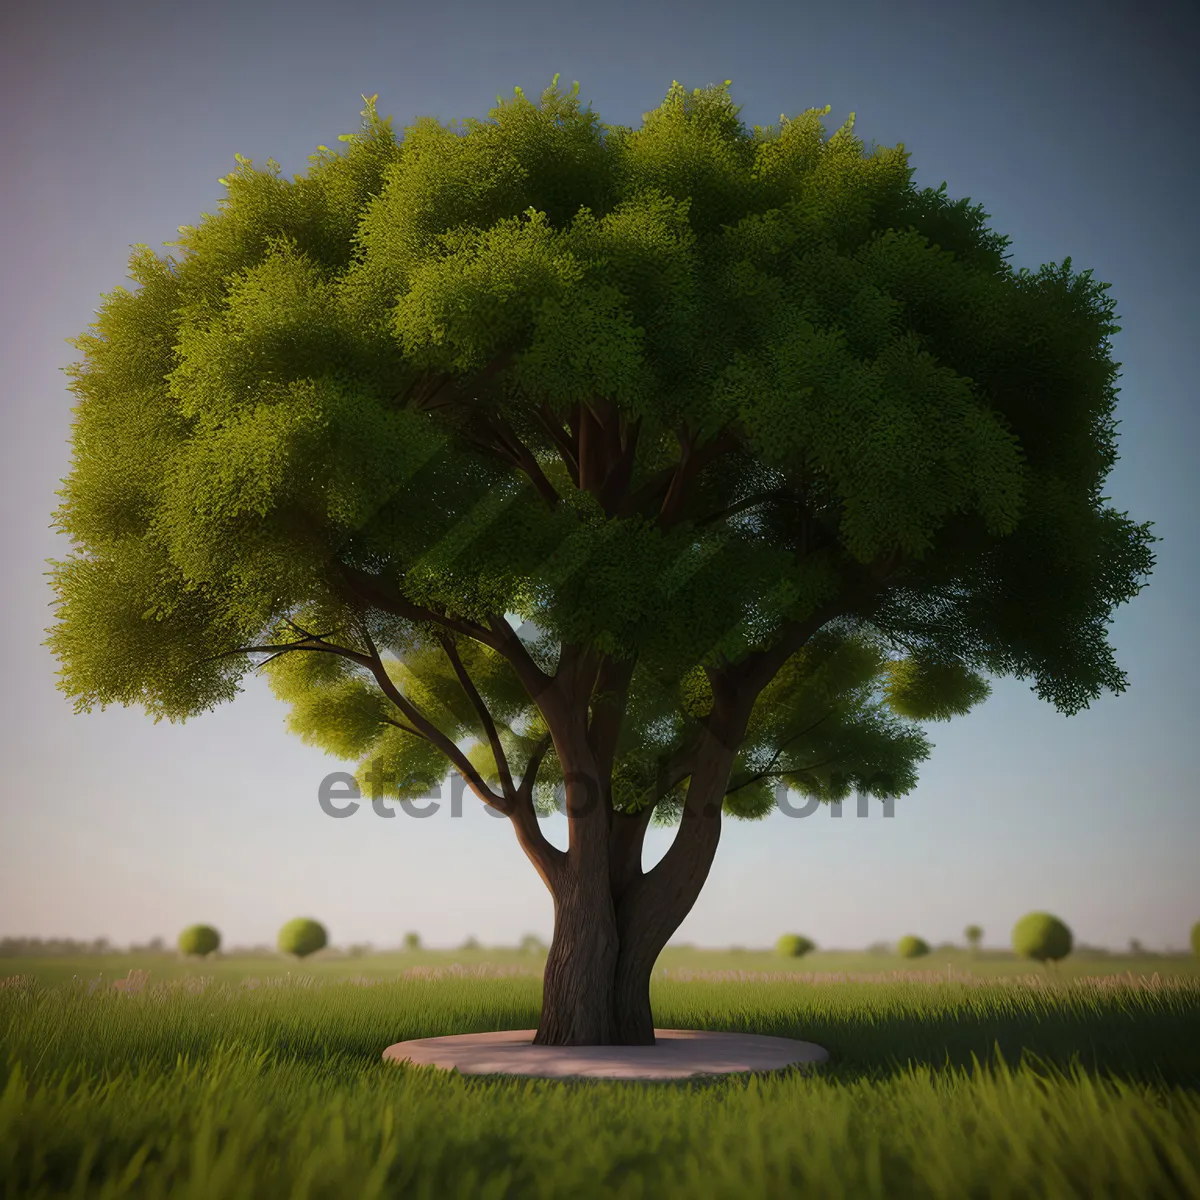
923, 689
305, 388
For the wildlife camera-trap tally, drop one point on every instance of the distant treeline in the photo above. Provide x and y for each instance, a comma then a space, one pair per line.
15, 947
11, 947
24, 947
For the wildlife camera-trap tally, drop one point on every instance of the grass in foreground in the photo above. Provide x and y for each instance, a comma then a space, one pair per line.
953, 1090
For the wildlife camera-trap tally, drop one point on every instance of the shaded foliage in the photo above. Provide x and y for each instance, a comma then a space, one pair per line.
336, 371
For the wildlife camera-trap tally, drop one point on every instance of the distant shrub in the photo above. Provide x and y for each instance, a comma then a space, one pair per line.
974, 935
532, 944
911, 946
199, 940
412, 941
1042, 937
1196, 939
794, 945
471, 944
302, 937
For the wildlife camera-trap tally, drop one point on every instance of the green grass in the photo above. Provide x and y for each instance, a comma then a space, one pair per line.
333, 965
275, 1087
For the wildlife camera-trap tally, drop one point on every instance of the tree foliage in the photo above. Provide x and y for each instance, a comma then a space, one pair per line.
911, 946
302, 937
1041, 936
199, 940
670, 394
795, 945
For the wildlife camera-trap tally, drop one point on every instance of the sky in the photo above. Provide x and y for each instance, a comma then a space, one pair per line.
1076, 133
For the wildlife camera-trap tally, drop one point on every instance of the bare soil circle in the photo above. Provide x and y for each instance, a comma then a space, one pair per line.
676, 1054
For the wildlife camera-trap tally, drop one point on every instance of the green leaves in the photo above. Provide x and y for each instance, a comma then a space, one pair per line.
387, 366
480, 293
584, 347
923, 689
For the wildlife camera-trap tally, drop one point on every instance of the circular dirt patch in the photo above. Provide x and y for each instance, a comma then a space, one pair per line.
676, 1054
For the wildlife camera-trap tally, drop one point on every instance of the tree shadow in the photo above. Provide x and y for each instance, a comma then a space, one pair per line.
1150, 1044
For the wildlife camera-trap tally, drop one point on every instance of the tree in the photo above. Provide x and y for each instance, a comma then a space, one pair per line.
199, 940
532, 944
794, 945
974, 936
911, 946
772, 453
1042, 937
302, 937
412, 941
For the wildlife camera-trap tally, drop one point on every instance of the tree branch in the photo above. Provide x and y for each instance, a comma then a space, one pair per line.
770, 766
742, 505
623, 442
504, 639
430, 731
401, 725
565, 444
529, 778
749, 676
524, 459
485, 717
610, 695
363, 587
659, 484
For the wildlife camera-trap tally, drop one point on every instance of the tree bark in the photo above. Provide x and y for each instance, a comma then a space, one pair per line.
612, 920
577, 997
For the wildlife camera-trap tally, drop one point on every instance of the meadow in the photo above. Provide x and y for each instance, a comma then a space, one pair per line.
237, 1078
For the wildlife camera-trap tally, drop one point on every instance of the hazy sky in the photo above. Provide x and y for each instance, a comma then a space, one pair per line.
1077, 135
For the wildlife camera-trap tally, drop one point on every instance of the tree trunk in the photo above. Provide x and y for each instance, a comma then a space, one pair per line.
597, 979
631, 988
611, 919
577, 996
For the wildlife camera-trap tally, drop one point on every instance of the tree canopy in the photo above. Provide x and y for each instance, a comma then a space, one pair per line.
671, 394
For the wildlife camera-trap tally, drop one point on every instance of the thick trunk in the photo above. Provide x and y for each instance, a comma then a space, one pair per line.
631, 989
612, 920
597, 979
577, 998
596, 989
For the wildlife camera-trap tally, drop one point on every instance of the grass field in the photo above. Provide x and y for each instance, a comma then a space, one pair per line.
331, 964
234, 1079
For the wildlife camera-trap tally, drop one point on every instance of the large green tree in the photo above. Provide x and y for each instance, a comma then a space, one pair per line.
773, 451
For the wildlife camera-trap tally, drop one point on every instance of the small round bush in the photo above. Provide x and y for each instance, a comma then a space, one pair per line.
1196, 939
199, 940
302, 937
911, 946
794, 945
1042, 937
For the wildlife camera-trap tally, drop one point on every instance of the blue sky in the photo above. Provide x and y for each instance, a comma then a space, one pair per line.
1077, 135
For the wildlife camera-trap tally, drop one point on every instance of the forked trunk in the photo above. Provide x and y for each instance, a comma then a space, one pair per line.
596, 989
597, 979
611, 919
